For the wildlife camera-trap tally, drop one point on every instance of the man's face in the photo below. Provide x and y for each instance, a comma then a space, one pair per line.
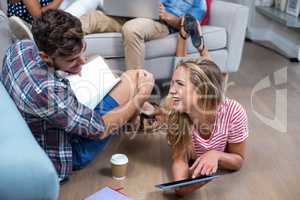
71, 64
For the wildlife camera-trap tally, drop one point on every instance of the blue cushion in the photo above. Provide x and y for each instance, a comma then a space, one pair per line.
26, 171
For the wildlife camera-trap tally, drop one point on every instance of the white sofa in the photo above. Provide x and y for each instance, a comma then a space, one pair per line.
224, 37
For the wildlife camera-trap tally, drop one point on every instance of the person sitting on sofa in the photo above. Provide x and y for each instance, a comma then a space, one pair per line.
69, 132
21, 12
138, 30
27, 9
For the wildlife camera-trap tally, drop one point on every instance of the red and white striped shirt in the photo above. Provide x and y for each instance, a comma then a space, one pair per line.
231, 126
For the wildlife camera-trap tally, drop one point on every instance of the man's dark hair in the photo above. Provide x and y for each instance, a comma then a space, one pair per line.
58, 33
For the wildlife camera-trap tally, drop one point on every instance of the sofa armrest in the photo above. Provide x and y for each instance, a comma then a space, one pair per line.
26, 172
234, 18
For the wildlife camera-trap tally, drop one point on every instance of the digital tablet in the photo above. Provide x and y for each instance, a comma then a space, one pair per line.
184, 182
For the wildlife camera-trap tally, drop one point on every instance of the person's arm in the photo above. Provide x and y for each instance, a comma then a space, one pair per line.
35, 9
234, 154
209, 162
205, 54
180, 170
170, 19
59, 106
233, 158
122, 114
180, 46
198, 10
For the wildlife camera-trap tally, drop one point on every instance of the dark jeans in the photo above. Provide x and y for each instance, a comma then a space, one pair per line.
85, 150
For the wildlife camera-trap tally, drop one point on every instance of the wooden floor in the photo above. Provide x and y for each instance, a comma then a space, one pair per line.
272, 167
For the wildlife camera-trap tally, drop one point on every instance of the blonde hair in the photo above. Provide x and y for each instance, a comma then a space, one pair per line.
208, 80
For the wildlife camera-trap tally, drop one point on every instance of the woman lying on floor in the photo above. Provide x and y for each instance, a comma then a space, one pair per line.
204, 127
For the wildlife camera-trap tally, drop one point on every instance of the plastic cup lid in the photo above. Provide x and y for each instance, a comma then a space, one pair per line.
119, 159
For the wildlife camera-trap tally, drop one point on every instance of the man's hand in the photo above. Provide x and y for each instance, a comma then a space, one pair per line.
170, 19
164, 15
162, 12
207, 164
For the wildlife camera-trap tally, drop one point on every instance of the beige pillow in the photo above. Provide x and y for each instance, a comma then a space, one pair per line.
3, 6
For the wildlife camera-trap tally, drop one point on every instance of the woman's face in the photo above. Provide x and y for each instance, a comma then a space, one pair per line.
182, 91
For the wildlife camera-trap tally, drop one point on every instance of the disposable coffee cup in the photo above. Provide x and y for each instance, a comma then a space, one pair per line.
119, 165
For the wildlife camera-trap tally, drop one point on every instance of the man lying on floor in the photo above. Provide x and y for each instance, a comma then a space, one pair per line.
69, 132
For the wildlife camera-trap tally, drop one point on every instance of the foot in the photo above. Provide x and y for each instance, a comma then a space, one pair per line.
19, 28
149, 120
146, 120
193, 28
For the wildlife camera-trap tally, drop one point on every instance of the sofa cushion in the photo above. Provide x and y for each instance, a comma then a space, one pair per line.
5, 36
162, 68
109, 45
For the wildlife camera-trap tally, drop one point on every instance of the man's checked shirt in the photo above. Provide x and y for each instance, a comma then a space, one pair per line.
48, 104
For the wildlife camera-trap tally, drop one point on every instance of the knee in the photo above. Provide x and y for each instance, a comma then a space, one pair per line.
131, 31
90, 20
131, 76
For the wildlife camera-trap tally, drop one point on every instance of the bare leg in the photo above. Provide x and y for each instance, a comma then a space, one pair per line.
127, 87
185, 190
181, 43
204, 53
180, 48
126, 90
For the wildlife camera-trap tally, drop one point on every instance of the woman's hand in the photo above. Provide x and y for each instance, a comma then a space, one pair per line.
184, 190
207, 164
